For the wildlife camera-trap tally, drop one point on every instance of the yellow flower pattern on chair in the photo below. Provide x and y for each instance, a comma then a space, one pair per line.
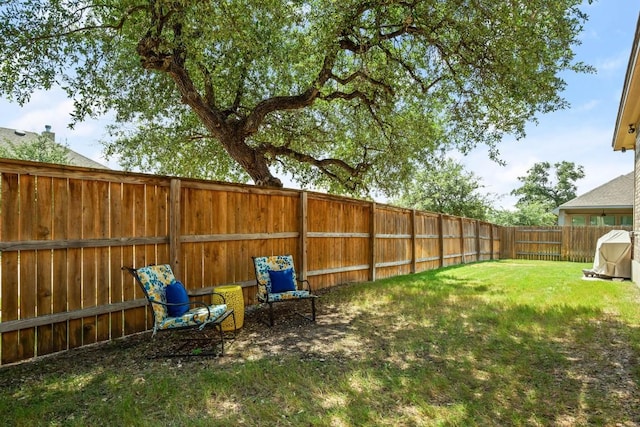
275, 263
155, 279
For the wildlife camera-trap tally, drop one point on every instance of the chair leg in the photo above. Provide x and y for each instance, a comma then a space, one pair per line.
219, 326
235, 331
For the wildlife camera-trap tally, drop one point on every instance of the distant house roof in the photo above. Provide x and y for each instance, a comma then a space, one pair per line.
617, 193
17, 137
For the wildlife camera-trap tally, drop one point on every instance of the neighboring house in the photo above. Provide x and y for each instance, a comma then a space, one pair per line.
17, 137
625, 138
609, 204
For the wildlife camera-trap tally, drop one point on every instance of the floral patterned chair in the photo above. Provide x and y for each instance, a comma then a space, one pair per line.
179, 312
277, 282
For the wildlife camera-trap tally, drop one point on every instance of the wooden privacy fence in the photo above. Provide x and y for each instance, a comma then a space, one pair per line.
66, 232
558, 243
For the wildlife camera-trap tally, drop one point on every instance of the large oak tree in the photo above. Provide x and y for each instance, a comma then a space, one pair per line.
346, 95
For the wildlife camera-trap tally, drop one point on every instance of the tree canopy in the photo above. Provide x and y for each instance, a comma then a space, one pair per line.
40, 149
445, 186
539, 186
533, 213
348, 95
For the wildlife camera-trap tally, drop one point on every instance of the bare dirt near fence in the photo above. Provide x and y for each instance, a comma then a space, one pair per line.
290, 336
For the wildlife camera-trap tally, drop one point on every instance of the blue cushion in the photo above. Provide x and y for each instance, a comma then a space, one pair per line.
282, 281
177, 294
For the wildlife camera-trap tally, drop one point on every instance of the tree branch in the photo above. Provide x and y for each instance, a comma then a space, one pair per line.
293, 102
361, 74
210, 95
356, 94
116, 26
324, 165
424, 87
239, 92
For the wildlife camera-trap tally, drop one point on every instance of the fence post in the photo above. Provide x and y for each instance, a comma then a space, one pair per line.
491, 249
174, 226
478, 254
565, 243
441, 238
303, 228
413, 241
460, 221
372, 243
513, 234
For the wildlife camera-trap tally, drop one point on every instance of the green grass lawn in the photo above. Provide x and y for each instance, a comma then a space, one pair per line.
487, 344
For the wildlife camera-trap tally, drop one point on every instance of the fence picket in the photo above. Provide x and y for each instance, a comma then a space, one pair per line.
44, 291
60, 195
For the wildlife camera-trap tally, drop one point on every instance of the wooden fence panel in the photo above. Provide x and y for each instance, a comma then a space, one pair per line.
393, 241
103, 276
44, 283
133, 224
337, 241
428, 240
485, 241
74, 259
540, 244
496, 239
61, 203
577, 244
28, 262
194, 223
116, 254
470, 240
90, 214
10, 220
452, 253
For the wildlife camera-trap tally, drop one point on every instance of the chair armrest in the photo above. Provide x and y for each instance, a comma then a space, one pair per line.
210, 293
305, 285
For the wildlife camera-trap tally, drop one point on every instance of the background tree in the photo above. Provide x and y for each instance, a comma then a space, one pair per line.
344, 95
532, 213
539, 187
446, 187
40, 149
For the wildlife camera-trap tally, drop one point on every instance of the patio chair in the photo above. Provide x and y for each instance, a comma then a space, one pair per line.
277, 282
173, 309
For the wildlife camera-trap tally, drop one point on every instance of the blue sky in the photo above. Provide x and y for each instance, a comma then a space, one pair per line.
581, 134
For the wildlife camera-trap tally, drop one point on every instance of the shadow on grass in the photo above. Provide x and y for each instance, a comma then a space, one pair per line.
428, 349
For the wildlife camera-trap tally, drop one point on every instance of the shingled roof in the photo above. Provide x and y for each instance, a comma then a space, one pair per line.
617, 193
17, 137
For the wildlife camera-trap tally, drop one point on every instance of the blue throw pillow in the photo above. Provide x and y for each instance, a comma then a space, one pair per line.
177, 294
282, 281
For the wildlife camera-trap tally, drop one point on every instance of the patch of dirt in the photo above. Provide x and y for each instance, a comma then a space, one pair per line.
291, 335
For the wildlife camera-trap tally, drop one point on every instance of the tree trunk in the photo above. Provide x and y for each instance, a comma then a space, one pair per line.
231, 134
252, 161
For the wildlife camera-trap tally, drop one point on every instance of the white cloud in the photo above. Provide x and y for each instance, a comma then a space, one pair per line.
45, 108
614, 63
588, 106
